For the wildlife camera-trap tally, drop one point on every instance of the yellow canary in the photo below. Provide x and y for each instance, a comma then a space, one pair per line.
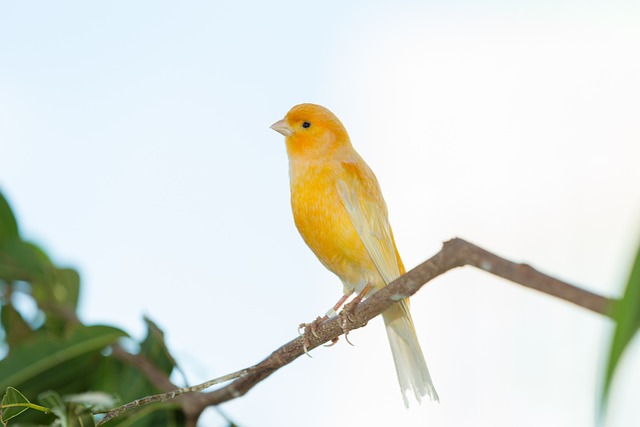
339, 211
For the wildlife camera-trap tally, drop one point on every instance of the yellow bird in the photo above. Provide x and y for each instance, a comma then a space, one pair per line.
339, 211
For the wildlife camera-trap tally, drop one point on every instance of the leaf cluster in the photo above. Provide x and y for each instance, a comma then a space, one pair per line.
55, 359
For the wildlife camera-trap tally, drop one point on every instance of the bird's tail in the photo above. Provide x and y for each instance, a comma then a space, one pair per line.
407, 355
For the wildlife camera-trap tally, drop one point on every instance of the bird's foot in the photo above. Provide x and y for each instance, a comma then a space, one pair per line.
310, 329
345, 317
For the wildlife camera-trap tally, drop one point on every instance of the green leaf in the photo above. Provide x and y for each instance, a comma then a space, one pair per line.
8, 223
12, 397
15, 403
71, 376
55, 402
626, 314
20, 260
154, 348
44, 352
58, 300
16, 329
67, 287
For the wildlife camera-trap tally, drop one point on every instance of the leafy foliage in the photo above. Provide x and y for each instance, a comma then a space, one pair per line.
52, 356
626, 314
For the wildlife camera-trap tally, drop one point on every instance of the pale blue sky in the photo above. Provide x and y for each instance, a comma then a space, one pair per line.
135, 146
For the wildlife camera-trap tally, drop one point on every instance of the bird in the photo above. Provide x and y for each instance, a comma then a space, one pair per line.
341, 215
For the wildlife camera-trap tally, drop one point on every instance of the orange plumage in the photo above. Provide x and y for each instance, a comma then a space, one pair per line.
339, 211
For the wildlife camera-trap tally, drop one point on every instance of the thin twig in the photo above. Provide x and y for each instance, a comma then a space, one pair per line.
170, 395
455, 253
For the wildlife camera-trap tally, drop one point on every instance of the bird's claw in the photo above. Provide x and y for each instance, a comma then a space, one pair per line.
309, 328
333, 342
345, 317
302, 331
345, 327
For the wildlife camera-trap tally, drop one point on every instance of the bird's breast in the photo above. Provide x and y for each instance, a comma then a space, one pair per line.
325, 225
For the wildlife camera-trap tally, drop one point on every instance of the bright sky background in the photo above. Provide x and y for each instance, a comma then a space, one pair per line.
135, 146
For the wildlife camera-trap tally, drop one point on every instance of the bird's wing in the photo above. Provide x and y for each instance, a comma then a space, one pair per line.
360, 194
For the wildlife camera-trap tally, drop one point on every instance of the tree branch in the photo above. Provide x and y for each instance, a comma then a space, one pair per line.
455, 253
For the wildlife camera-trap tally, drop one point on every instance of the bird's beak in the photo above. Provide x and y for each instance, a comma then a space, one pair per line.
282, 127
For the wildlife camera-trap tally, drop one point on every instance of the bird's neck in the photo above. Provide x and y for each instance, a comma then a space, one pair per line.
304, 166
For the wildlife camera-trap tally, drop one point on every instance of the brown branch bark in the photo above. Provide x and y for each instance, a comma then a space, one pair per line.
455, 253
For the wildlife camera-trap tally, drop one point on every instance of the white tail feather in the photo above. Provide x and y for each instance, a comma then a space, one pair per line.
411, 367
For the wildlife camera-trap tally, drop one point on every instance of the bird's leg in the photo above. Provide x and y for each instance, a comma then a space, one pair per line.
334, 312
348, 310
313, 326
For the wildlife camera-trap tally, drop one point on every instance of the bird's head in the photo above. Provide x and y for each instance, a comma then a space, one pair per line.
311, 129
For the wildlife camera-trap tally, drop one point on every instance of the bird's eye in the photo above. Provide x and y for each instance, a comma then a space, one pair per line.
306, 125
